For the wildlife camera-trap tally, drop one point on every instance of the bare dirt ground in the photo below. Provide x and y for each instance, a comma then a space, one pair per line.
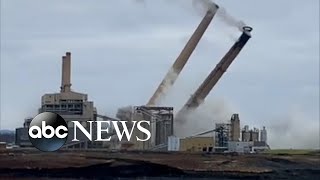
30, 164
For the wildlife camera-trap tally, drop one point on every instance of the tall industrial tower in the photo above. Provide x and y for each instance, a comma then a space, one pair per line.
235, 128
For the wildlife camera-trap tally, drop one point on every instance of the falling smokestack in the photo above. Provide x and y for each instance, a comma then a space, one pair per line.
66, 73
201, 93
182, 59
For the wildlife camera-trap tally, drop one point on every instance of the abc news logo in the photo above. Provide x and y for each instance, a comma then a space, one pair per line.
49, 131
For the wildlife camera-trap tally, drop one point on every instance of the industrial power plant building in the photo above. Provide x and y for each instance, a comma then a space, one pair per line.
226, 138
75, 106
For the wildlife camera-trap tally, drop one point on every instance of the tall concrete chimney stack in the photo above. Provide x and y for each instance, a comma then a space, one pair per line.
66, 73
204, 89
184, 56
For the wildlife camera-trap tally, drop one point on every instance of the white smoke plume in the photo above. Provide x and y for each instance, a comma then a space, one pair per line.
295, 130
169, 79
204, 118
203, 5
229, 20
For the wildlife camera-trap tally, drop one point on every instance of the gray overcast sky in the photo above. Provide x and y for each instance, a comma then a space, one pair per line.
121, 49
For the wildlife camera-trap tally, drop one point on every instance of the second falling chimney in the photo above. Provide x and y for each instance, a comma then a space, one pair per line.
66, 73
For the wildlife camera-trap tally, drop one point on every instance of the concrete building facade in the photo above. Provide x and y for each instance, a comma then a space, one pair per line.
197, 144
70, 105
240, 147
21, 136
